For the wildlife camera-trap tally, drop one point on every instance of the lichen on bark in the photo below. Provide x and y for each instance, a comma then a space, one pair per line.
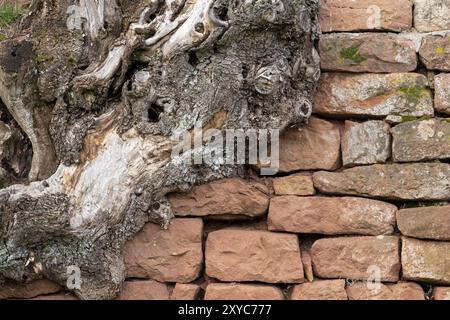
101, 87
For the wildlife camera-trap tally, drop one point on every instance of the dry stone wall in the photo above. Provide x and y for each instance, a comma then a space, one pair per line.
364, 189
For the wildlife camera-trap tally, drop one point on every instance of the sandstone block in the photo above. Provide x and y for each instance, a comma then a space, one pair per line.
435, 52
173, 255
320, 290
57, 297
367, 52
442, 93
247, 255
331, 215
297, 184
427, 261
441, 293
431, 15
315, 146
235, 291
14, 290
225, 198
396, 291
421, 140
373, 95
144, 290
425, 222
350, 15
365, 143
351, 257
185, 291
417, 181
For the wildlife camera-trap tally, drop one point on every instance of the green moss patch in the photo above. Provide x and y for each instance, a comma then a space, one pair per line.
413, 93
413, 118
353, 54
9, 13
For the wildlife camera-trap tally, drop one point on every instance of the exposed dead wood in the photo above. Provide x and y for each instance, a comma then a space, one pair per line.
100, 88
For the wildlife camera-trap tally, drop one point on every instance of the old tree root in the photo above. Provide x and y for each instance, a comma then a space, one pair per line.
100, 87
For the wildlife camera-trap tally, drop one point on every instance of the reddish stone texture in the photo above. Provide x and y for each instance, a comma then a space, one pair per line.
331, 215
366, 142
144, 290
14, 290
350, 15
315, 146
441, 293
320, 290
307, 265
57, 297
427, 261
415, 181
244, 255
421, 140
373, 95
398, 291
351, 257
185, 291
431, 15
435, 52
368, 52
234, 291
173, 255
425, 222
232, 198
296, 184
442, 93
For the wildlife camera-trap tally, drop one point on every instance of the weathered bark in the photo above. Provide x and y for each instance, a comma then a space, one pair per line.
99, 87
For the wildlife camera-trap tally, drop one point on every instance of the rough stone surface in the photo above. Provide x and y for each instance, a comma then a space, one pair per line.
336, 215
234, 291
373, 95
417, 181
368, 52
425, 222
297, 184
320, 290
431, 15
14, 290
442, 93
397, 291
441, 293
350, 15
241, 255
57, 297
315, 146
173, 255
435, 52
230, 197
427, 261
351, 257
421, 140
307, 264
365, 143
185, 291
144, 290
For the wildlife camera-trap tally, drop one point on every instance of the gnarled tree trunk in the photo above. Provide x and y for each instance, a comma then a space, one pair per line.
101, 87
